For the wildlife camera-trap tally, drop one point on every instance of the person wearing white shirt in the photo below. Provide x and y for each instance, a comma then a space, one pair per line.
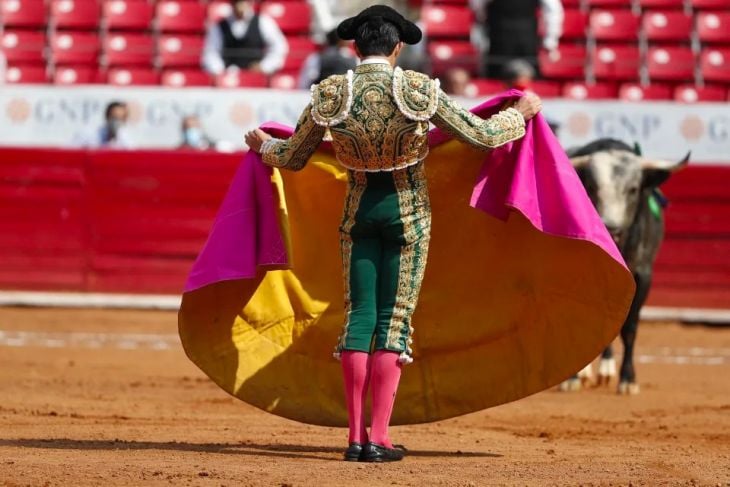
112, 134
244, 40
512, 29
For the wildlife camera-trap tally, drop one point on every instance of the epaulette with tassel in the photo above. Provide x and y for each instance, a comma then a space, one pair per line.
331, 102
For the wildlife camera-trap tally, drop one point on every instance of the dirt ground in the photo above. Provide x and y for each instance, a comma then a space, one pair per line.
92, 397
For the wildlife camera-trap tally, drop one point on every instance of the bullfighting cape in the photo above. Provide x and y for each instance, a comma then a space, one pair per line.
523, 287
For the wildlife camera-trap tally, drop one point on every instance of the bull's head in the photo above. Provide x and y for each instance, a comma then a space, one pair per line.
617, 179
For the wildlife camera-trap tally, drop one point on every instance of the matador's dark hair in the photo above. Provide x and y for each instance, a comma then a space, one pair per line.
376, 37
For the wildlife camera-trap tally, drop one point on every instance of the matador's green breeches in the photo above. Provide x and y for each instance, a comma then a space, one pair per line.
384, 240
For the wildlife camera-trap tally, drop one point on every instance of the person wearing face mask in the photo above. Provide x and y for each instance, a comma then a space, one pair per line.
244, 40
193, 136
113, 133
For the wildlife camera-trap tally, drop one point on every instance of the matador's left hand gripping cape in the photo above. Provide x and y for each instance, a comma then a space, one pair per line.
524, 285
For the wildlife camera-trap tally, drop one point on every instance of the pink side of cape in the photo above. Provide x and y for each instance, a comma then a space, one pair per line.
532, 175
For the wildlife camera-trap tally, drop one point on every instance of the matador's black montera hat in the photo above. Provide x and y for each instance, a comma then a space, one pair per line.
409, 32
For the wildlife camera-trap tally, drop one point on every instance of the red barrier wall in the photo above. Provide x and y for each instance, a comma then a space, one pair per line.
113, 221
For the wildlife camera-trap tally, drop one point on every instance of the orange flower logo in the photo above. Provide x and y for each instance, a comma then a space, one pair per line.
241, 114
579, 124
692, 127
18, 110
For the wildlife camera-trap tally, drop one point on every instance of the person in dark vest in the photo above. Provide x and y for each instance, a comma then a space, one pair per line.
335, 58
512, 29
244, 40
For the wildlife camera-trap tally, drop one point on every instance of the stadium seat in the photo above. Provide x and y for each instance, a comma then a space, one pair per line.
128, 14
23, 46
185, 77
447, 21
616, 62
670, 63
568, 62
546, 88
75, 48
574, 25
583, 91
128, 50
250, 79
445, 55
25, 74
635, 92
23, 14
283, 81
180, 16
667, 26
299, 49
692, 94
293, 18
715, 64
663, 4
614, 25
714, 27
75, 14
709, 4
482, 87
132, 76
180, 50
218, 10
76, 75
610, 3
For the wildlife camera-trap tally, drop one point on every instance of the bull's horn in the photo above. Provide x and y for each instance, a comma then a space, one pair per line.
580, 161
666, 165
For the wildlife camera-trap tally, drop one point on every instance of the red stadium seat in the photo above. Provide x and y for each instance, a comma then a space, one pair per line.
185, 77
299, 49
567, 62
218, 10
714, 27
23, 47
23, 13
76, 75
610, 3
709, 4
283, 81
132, 76
180, 16
546, 89
25, 74
447, 21
571, 3
667, 26
665, 4
614, 25
445, 55
242, 78
293, 18
671, 63
180, 50
574, 25
583, 91
75, 48
635, 92
692, 94
715, 64
128, 50
482, 87
75, 14
619, 62
128, 14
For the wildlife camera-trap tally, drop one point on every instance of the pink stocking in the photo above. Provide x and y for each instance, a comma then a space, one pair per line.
355, 370
385, 374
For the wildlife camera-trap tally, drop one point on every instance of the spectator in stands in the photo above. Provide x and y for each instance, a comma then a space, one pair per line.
456, 81
113, 133
511, 27
336, 58
193, 136
244, 40
519, 74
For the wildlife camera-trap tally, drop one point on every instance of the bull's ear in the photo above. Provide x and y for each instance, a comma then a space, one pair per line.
579, 161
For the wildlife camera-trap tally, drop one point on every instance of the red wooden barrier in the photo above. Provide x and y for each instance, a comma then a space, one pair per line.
118, 221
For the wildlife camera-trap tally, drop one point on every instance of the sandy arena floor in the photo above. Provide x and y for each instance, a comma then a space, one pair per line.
127, 408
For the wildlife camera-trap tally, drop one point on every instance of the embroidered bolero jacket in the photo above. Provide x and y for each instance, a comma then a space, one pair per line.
377, 119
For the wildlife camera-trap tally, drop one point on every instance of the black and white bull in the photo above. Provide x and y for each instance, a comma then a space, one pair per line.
623, 187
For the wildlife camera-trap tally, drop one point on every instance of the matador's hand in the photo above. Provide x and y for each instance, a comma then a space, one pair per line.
529, 105
255, 138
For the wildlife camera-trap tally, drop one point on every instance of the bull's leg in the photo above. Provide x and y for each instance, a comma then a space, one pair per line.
627, 384
578, 381
606, 367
